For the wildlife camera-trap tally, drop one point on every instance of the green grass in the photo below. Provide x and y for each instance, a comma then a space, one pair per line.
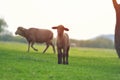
84, 64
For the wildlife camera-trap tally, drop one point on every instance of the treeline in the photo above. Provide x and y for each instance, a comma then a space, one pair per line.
7, 36
99, 42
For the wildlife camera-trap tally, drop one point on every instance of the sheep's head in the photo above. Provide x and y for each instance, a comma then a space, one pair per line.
60, 29
20, 31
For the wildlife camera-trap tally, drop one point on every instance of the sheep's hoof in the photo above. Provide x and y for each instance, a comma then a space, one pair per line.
36, 49
65, 63
59, 62
43, 52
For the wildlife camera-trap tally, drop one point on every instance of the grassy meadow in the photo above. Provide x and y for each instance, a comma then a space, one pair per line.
84, 64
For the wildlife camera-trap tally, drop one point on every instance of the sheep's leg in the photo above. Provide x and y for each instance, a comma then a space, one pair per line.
33, 47
47, 45
66, 58
64, 55
67, 55
28, 46
59, 56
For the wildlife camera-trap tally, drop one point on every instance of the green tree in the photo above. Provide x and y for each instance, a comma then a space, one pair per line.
3, 24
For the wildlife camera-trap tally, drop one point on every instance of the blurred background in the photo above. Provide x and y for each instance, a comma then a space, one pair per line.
91, 22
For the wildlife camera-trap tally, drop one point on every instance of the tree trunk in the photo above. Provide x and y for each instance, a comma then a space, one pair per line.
117, 27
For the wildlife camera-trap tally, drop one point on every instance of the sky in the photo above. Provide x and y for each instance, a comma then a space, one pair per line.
85, 18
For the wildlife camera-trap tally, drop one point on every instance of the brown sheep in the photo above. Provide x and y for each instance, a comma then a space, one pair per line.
63, 44
34, 35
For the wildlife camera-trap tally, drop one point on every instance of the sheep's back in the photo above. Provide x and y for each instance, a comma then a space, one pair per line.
40, 35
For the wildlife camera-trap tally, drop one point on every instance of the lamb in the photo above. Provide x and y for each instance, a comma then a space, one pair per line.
34, 35
63, 44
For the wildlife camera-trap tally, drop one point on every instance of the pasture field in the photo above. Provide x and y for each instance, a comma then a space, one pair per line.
84, 64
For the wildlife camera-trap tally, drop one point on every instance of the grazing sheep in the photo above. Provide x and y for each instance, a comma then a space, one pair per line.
34, 35
63, 44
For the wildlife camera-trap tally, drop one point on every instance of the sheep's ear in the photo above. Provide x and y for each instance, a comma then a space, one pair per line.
20, 27
54, 27
66, 29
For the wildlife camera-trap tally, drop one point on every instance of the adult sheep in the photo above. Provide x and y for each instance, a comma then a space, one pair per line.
34, 35
63, 44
